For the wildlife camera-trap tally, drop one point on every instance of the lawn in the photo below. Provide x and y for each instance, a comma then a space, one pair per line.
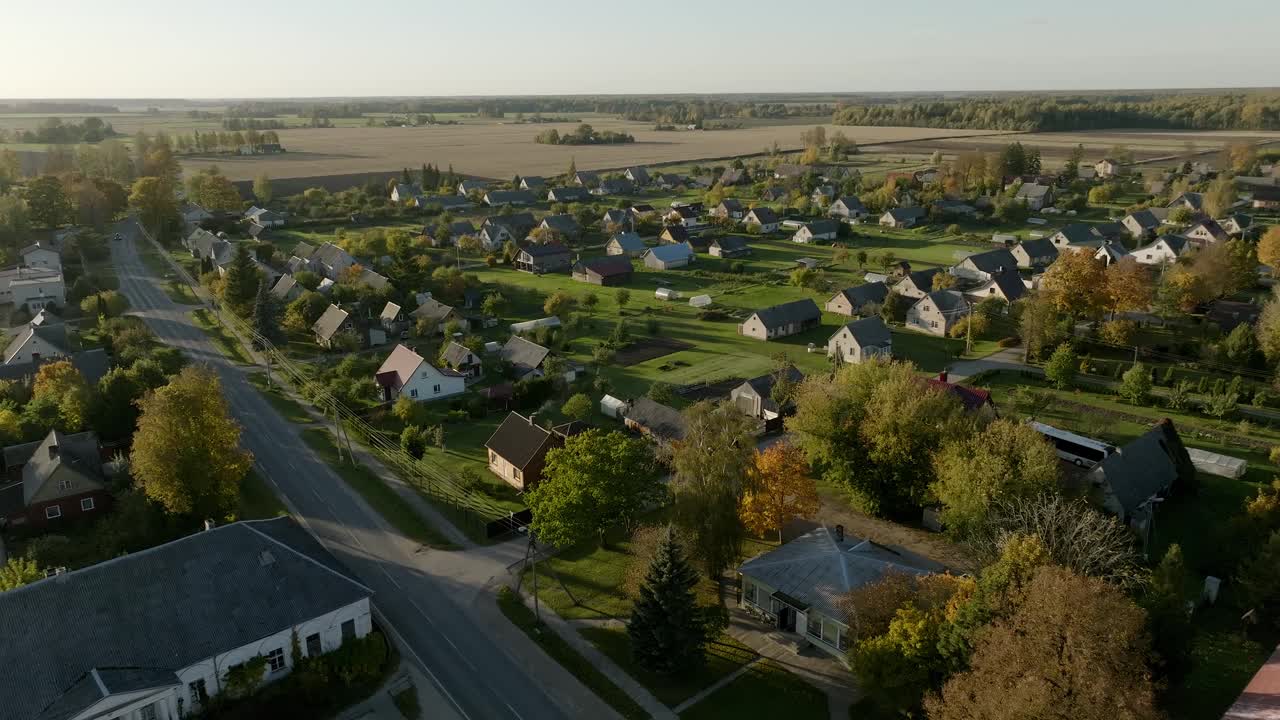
766, 689
178, 291
385, 501
1223, 661
280, 400
724, 656
562, 652
221, 338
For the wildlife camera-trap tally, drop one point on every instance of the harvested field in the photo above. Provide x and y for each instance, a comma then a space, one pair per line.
501, 150
638, 352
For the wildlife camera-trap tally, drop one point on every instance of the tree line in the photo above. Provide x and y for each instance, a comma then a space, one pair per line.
54, 131
1224, 111
584, 134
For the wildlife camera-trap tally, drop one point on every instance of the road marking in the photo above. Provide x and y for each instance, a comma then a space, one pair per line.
403, 643
391, 578
421, 612
513, 711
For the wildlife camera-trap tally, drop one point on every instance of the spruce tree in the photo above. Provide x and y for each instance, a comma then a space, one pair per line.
667, 628
242, 280
266, 321
426, 178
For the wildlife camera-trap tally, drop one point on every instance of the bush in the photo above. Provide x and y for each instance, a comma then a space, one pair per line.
1118, 332
1008, 342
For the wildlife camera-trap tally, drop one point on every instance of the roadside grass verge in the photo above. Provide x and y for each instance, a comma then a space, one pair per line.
178, 291
257, 500
385, 501
281, 401
562, 652
766, 689
220, 337
724, 656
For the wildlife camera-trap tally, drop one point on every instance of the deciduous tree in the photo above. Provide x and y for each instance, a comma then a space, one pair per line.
1003, 460
1076, 283
1269, 249
18, 571
1062, 367
781, 489
61, 384
186, 453
577, 407
48, 201
1135, 384
1128, 286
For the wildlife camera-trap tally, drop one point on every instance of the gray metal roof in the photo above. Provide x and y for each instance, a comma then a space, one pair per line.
564, 224
819, 570
1145, 467
523, 354
518, 440
860, 295
948, 301
670, 253
629, 242
158, 610
870, 332
661, 420
794, 311
993, 261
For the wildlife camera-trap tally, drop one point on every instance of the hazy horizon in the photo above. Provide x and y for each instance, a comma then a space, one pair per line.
326, 49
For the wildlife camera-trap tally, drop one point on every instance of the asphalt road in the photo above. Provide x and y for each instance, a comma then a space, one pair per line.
437, 603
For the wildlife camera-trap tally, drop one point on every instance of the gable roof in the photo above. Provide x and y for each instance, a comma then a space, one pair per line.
330, 322
186, 601
1149, 465
869, 332
1080, 234
432, 309
900, 214
1145, 219
794, 311
608, 266
518, 440
55, 335
948, 302
971, 398
763, 215
545, 250
629, 242
821, 227
78, 453
922, 280
398, 369
671, 252
860, 295
818, 570
498, 197
849, 201
731, 243
523, 354
1032, 190
730, 205
455, 354
283, 286
661, 420
564, 224
1038, 247
390, 312
993, 261
568, 194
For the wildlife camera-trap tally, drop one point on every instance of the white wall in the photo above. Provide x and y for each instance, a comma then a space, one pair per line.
43, 258
35, 344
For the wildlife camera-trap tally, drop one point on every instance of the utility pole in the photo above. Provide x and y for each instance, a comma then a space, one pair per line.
532, 557
968, 340
337, 432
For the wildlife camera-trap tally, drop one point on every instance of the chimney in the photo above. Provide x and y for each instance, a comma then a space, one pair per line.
532, 416
942, 376
839, 533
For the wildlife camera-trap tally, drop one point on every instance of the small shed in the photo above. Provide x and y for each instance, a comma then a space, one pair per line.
612, 407
531, 325
875, 277
493, 346
666, 294
700, 301
807, 262
1004, 239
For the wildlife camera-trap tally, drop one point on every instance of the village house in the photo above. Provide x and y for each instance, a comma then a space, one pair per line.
332, 322
466, 187
1236, 224
916, 284
36, 342
735, 176
729, 209
674, 235
391, 318
974, 400
195, 607
654, 420
731, 246
566, 226
953, 208
1132, 480
1035, 196
1164, 249
608, 271
286, 289
498, 229
851, 300
861, 340
779, 321
41, 255
847, 207
460, 359
1142, 224
1077, 236
800, 587
500, 198
541, 259
1265, 198
403, 193
330, 261
1192, 201
754, 397
668, 181
616, 218
1110, 252
525, 357
817, 230
614, 186
642, 210
1007, 286
438, 315
627, 243
822, 195
518, 449
668, 257
568, 194
937, 312
983, 266
903, 217
637, 175
56, 479
1205, 232
33, 289
764, 219
1106, 168
405, 373
1033, 254
263, 217
534, 184
686, 215
585, 178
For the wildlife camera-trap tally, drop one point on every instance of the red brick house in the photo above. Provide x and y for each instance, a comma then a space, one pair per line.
56, 479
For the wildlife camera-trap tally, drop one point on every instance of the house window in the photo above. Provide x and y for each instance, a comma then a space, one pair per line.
147, 712
515, 473
199, 692
275, 660
933, 323
53, 511
64, 484
348, 630
413, 392
86, 504
313, 645
435, 389
424, 375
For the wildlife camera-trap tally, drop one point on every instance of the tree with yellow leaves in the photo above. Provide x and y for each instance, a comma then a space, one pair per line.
1269, 248
63, 385
186, 452
782, 489
1076, 283
1128, 286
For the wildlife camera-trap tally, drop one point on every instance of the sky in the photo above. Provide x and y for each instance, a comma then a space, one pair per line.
328, 48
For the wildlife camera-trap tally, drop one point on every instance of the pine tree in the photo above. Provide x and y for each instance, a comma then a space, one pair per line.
242, 280
266, 314
573, 170
404, 177
667, 628
426, 178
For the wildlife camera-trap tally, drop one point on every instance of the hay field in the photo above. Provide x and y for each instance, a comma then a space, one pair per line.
498, 150
1145, 144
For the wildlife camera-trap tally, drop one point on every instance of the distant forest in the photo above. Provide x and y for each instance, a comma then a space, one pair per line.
40, 106
1175, 111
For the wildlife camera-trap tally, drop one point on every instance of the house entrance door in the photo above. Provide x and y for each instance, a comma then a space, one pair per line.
787, 618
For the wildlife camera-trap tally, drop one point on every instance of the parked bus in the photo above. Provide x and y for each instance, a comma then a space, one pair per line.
1082, 451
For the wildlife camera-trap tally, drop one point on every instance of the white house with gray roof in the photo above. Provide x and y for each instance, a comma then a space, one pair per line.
799, 587
937, 312
861, 340
152, 635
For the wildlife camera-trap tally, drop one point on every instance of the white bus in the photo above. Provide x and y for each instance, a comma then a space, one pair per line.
1082, 451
